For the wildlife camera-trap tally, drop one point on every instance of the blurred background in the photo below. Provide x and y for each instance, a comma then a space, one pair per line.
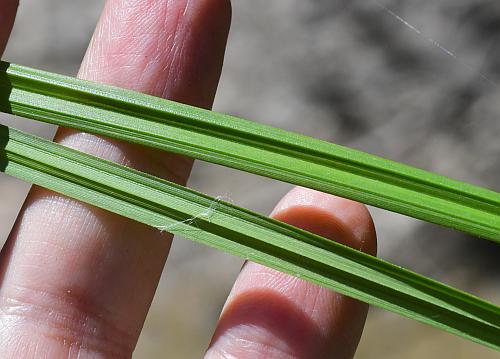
413, 81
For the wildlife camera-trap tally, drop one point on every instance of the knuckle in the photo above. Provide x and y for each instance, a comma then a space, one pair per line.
66, 321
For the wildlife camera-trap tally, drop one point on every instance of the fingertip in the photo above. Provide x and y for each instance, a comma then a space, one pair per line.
267, 309
336, 218
175, 51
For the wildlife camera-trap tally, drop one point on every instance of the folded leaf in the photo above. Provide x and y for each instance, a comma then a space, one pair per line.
249, 146
210, 221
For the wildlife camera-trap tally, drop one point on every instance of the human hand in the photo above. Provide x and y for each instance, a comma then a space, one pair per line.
77, 281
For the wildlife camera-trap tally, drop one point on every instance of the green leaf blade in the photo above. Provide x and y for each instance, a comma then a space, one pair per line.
251, 147
238, 231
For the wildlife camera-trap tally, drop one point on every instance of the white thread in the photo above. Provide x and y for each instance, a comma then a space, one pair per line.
208, 213
397, 17
433, 42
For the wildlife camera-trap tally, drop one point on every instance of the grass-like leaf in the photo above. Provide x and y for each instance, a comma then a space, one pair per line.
162, 204
249, 146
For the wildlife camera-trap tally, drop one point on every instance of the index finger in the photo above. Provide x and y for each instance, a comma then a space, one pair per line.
76, 280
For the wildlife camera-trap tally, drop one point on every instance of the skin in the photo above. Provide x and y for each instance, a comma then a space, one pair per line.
77, 281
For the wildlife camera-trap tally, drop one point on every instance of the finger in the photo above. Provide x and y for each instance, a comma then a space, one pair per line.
273, 315
7, 16
78, 280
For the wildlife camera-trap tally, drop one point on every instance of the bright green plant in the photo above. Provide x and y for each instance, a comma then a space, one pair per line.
255, 148
249, 146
